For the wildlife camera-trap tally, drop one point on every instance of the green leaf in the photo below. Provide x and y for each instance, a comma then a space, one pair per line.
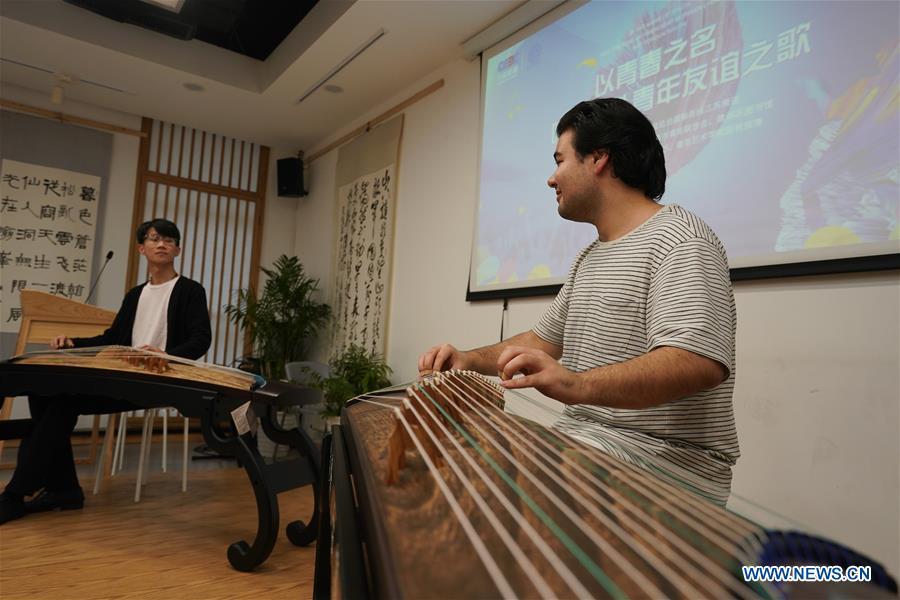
284, 320
353, 372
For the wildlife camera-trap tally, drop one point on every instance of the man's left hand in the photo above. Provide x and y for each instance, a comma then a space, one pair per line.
540, 371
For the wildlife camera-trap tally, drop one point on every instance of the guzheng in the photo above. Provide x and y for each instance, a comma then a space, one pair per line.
437, 492
207, 392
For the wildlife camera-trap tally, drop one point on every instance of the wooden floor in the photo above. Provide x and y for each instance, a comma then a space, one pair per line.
169, 545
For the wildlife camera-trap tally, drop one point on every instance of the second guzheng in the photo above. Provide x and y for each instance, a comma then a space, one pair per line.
436, 491
207, 392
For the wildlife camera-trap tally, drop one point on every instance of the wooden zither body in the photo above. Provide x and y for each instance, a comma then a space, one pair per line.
437, 492
207, 392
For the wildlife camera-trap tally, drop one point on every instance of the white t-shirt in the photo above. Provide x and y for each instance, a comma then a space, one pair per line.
151, 320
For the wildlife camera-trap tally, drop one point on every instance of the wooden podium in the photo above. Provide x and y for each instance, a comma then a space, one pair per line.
44, 317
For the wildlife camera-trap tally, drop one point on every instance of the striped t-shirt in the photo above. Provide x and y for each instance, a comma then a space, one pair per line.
665, 283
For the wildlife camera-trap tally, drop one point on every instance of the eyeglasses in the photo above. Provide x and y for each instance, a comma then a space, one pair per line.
157, 239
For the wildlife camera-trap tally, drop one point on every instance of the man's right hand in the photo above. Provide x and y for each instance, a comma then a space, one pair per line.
61, 341
443, 358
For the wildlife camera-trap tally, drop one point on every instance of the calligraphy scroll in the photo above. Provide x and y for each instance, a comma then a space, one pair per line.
48, 220
363, 274
365, 208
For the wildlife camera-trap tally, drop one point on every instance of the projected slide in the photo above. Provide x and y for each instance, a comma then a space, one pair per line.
779, 122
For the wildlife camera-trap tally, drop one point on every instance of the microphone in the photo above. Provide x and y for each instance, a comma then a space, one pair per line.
109, 256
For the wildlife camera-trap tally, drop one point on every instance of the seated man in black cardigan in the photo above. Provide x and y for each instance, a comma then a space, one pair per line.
168, 312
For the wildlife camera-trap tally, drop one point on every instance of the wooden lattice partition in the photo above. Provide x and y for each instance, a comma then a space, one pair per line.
214, 188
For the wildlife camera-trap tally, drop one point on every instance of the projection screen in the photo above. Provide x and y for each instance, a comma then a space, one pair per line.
779, 122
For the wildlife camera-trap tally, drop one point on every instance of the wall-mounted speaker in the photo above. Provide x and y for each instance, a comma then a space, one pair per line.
290, 178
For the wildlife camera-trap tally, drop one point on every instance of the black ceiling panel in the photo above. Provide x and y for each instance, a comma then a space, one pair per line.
253, 28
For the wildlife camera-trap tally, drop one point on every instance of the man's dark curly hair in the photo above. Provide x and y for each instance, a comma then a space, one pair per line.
618, 128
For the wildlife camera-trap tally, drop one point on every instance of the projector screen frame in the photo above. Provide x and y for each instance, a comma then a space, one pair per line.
855, 264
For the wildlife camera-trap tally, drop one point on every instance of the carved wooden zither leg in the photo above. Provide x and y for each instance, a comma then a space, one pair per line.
241, 555
299, 533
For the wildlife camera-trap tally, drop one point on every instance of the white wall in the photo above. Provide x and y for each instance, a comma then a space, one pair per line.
314, 241
817, 390
280, 220
816, 401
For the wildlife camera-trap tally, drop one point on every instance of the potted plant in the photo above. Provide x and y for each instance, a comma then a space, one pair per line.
284, 320
353, 372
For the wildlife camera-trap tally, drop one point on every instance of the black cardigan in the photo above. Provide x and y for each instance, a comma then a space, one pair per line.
188, 333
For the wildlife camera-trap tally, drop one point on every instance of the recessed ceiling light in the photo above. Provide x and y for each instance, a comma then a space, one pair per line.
334, 89
194, 87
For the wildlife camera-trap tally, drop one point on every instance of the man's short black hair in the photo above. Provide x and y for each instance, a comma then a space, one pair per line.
163, 227
617, 127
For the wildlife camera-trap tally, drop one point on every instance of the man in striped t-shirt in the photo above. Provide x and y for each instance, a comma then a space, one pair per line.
639, 342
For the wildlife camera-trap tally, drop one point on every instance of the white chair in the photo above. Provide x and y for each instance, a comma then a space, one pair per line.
118, 453
301, 372
146, 442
